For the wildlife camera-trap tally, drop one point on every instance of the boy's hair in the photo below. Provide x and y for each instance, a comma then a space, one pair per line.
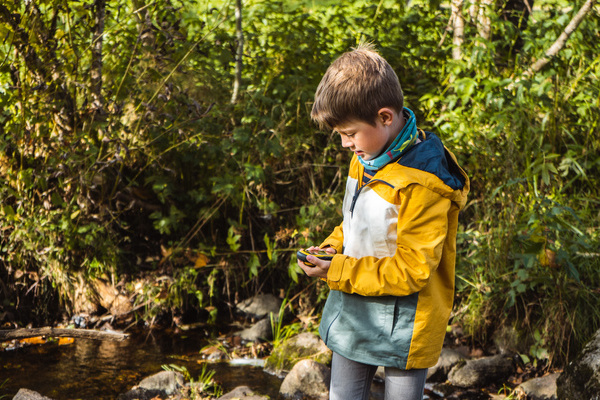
355, 87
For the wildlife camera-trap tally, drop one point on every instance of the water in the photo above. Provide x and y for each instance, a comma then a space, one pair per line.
93, 369
101, 370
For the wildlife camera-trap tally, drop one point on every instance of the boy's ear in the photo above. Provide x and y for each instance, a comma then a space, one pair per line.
386, 116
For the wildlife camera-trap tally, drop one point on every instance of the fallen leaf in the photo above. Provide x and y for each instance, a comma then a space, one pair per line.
33, 340
201, 261
65, 340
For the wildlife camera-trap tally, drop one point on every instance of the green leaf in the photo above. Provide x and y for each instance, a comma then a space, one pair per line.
253, 265
233, 239
8, 212
269, 245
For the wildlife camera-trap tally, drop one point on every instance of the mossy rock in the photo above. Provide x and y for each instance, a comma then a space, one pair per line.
305, 346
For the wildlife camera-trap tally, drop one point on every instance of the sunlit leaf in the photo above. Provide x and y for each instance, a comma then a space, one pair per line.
201, 261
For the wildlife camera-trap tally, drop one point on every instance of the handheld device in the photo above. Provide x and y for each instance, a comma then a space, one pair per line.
321, 254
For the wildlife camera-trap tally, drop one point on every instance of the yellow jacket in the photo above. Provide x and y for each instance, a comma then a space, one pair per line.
392, 281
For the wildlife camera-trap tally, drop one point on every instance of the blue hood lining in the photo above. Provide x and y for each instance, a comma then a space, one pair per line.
431, 156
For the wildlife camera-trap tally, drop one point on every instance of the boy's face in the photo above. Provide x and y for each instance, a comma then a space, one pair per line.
368, 141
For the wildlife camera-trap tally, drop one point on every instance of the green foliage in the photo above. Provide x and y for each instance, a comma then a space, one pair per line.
527, 248
2, 385
280, 331
160, 182
201, 386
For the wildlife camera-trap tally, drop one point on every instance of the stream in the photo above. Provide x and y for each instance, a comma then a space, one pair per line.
95, 369
102, 370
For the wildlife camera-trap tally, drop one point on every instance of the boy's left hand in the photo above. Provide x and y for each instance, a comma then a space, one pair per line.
321, 266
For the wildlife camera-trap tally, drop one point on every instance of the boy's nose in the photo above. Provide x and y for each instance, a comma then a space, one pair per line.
345, 141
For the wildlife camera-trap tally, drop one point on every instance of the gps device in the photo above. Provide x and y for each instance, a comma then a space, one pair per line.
320, 254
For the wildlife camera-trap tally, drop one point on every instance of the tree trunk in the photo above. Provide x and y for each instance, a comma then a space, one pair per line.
96, 70
458, 24
479, 12
237, 83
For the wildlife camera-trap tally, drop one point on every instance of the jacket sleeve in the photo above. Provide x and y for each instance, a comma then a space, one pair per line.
335, 240
422, 229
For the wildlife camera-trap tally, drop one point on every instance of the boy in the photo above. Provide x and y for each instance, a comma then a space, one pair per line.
392, 275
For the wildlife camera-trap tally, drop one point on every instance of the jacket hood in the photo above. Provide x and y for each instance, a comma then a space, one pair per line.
430, 164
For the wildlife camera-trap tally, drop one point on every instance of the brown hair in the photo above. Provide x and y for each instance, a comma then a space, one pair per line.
355, 87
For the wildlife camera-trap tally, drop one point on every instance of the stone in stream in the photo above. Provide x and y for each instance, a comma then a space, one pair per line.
242, 393
260, 331
308, 379
163, 383
167, 381
26, 394
142, 394
303, 346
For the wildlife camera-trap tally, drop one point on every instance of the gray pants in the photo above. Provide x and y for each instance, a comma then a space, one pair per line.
351, 380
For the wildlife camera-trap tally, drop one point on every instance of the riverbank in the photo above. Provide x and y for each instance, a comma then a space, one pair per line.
104, 370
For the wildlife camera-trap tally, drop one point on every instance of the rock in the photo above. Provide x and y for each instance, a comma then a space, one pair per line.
483, 371
377, 391
543, 388
380, 374
26, 394
166, 381
308, 379
508, 340
161, 384
448, 359
441, 389
257, 332
142, 394
260, 306
213, 353
110, 298
303, 346
445, 390
581, 378
84, 298
242, 393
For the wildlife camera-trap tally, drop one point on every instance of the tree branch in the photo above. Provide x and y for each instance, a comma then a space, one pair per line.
562, 39
22, 333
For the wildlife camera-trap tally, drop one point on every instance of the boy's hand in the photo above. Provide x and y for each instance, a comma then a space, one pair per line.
321, 266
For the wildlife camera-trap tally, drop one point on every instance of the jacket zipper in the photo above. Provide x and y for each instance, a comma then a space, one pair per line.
359, 189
